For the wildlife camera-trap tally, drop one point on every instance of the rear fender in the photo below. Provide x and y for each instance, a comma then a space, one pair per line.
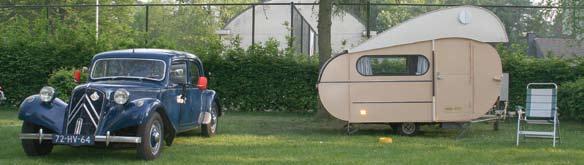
47, 115
210, 96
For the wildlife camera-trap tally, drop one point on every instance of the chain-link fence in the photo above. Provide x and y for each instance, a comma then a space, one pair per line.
290, 25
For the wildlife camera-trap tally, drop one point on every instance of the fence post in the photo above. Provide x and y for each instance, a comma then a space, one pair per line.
368, 19
253, 24
291, 21
146, 23
301, 34
48, 20
96, 21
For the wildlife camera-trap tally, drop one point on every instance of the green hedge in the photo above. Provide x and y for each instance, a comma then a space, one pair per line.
570, 100
263, 79
523, 70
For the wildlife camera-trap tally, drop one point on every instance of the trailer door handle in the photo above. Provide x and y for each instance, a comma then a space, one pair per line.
438, 77
497, 78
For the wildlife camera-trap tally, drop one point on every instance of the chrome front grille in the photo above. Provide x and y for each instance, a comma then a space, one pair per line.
85, 112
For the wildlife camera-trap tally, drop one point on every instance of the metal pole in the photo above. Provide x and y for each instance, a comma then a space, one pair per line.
253, 24
301, 35
368, 19
96, 21
146, 23
291, 22
48, 21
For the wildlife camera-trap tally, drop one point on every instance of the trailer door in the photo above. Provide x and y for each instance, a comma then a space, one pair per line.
453, 80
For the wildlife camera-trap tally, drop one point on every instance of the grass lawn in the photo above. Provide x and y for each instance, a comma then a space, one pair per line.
286, 138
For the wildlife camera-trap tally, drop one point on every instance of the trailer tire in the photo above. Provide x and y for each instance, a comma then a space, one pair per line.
408, 129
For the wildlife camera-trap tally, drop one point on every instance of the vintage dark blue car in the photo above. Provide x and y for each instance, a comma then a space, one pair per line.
139, 96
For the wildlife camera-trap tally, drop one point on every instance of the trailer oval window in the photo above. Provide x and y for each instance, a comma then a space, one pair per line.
392, 65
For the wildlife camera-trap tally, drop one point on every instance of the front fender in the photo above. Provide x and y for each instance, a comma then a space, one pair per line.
46, 115
128, 115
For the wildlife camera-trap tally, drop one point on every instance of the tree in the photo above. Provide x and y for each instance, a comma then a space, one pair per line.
325, 8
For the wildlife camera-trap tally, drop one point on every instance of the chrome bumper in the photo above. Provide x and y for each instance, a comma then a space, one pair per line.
107, 139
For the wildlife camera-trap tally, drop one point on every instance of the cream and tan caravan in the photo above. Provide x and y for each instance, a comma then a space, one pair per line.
439, 67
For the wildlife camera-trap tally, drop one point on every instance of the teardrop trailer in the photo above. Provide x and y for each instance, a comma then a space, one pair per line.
437, 68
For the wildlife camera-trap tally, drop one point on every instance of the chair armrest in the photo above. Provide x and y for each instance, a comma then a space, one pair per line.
520, 111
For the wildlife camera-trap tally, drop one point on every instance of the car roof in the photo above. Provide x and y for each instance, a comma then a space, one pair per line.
162, 54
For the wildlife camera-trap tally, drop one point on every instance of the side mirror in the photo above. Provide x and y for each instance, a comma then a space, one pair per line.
77, 76
202, 84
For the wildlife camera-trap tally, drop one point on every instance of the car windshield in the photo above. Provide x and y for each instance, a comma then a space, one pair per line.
128, 68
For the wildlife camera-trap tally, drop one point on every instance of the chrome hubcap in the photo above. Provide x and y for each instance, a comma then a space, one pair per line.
408, 128
155, 137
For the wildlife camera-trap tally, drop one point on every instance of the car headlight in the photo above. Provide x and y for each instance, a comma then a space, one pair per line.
121, 96
47, 93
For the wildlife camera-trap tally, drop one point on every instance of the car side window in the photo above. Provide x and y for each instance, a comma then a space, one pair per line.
194, 72
178, 72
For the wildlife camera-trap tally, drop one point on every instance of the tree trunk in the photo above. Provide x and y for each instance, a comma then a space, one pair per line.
324, 30
324, 42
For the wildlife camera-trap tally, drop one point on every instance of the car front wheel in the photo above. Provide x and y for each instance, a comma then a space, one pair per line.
209, 130
151, 133
33, 147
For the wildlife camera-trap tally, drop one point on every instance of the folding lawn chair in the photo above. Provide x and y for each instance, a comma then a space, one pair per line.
541, 109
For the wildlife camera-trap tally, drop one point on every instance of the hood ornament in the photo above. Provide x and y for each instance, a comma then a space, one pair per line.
94, 96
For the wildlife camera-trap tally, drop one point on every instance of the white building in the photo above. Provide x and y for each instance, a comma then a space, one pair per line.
274, 21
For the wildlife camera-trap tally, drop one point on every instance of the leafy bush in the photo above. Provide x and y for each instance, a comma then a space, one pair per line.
524, 70
262, 79
570, 100
62, 80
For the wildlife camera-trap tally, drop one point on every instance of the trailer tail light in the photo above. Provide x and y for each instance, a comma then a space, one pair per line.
363, 112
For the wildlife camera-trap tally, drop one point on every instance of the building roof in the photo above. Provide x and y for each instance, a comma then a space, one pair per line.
560, 47
469, 22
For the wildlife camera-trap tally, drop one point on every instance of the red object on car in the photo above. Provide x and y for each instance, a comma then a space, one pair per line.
202, 84
77, 75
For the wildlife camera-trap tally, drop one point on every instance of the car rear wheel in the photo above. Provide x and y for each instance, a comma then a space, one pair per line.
209, 130
408, 129
33, 147
152, 133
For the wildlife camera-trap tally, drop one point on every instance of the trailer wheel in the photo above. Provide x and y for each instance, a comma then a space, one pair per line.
408, 129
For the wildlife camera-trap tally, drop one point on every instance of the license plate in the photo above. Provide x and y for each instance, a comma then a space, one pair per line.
74, 139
